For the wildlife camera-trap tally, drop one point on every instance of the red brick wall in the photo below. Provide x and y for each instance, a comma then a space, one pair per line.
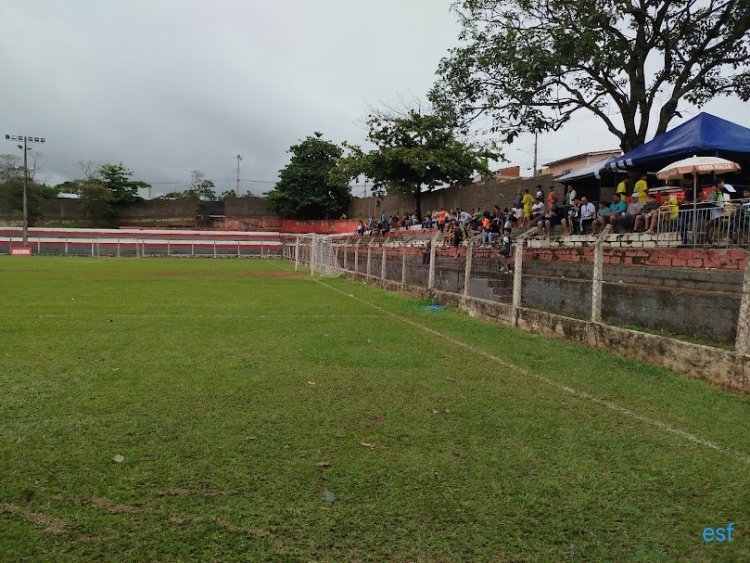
719, 258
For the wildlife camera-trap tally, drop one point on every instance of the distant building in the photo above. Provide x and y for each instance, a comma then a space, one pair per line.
145, 193
573, 163
504, 174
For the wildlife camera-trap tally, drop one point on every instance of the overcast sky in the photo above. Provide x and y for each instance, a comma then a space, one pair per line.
168, 86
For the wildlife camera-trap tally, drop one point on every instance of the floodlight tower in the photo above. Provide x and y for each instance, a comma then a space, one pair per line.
25, 148
238, 157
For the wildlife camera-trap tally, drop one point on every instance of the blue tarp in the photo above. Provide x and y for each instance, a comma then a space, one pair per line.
704, 135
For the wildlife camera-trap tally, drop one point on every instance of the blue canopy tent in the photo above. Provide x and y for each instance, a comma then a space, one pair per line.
704, 135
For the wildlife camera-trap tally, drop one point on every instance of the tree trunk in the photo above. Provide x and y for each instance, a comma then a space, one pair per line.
418, 201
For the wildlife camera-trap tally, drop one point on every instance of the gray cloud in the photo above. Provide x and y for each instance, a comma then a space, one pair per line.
167, 86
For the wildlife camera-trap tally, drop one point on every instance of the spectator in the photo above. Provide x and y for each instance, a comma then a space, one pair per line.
551, 197
616, 208
505, 247
550, 218
573, 216
570, 195
360, 228
622, 188
527, 201
635, 208
587, 214
537, 210
641, 188
518, 200
601, 217
442, 214
539, 191
641, 219
667, 211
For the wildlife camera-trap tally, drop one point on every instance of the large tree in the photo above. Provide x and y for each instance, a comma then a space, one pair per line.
416, 151
116, 178
531, 64
307, 189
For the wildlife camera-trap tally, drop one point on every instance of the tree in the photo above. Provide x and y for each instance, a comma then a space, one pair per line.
97, 202
116, 178
531, 64
11, 187
416, 151
307, 189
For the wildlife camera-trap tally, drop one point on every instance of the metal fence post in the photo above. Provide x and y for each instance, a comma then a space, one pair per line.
742, 342
467, 266
433, 255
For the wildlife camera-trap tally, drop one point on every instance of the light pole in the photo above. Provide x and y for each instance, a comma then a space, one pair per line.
536, 153
25, 148
238, 157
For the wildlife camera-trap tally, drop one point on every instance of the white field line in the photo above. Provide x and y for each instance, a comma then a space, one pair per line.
75, 317
667, 428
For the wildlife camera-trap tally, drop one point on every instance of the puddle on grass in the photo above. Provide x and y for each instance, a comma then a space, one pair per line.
432, 307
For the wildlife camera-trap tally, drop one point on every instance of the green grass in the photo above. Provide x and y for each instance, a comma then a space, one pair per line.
200, 374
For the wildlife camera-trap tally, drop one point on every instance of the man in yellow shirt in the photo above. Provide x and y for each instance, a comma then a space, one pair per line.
641, 188
528, 201
622, 189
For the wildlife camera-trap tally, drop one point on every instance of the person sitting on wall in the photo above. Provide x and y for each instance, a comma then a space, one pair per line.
601, 217
360, 228
587, 214
537, 210
651, 205
569, 221
667, 211
635, 208
617, 208
551, 217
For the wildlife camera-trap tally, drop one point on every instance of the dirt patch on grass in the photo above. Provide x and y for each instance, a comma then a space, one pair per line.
118, 508
51, 524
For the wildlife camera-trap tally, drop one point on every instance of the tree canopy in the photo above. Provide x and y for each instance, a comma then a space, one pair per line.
416, 151
116, 178
307, 189
200, 188
532, 64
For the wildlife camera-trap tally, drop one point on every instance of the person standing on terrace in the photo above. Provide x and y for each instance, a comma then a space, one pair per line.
641, 188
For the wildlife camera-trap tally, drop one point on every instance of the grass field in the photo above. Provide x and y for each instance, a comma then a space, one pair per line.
261, 415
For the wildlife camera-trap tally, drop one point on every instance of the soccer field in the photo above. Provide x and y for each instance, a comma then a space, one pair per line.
161, 409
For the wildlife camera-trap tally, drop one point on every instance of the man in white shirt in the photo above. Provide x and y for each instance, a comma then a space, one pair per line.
587, 214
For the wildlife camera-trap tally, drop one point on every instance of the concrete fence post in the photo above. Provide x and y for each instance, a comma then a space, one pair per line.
346, 265
313, 247
66, 247
596, 283
403, 263
382, 261
517, 279
356, 257
433, 254
369, 260
296, 253
467, 266
742, 342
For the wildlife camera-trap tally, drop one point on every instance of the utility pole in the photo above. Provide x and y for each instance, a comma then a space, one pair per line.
237, 191
536, 147
25, 148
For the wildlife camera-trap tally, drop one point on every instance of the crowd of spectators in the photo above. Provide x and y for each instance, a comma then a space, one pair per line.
628, 211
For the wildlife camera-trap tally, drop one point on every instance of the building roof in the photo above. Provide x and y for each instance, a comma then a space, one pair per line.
590, 153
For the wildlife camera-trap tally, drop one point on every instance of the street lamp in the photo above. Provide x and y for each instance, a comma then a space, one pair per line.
25, 148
